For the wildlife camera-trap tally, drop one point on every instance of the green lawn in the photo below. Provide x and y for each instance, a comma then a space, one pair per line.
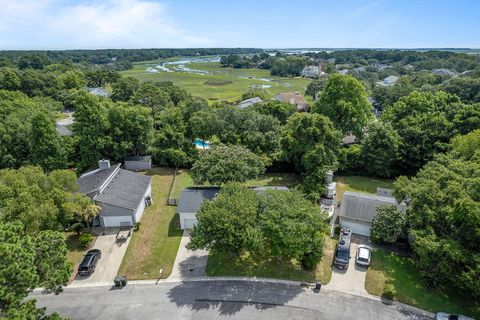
75, 249
388, 267
360, 184
247, 265
155, 245
232, 82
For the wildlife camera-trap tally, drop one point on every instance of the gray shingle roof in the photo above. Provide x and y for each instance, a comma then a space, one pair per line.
63, 130
138, 158
249, 102
362, 206
126, 189
191, 199
93, 180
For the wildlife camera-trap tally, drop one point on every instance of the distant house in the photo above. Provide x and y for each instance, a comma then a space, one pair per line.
381, 66
192, 198
357, 210
444, 72
388, 81
344, 71
249, 102
122, 195
311, 72
360, 69
137, 163
408, 67
349, 139
98, 91
293, 98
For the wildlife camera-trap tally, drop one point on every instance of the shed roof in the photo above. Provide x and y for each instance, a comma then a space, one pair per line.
362, 206
191, 199
249, 102
126, 189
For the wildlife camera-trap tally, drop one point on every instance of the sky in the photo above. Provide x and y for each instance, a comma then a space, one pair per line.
95, 24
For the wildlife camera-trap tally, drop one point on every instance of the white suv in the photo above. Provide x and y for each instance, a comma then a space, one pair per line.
364, 255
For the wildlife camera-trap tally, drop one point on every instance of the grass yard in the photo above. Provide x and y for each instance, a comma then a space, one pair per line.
275, 179
224, 264
234, 82
75, 249
360, 184
155, 245
388, 267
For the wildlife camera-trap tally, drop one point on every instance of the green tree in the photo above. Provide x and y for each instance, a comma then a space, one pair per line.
124, 88
45, 144
344, 101
153, 97
222, 164
9, 79
388, 224
279, 110
380, 150
315, 87
256, 92
443, 214
293, 226
228, 223
130, 130
467, 145
28, 262
90, 126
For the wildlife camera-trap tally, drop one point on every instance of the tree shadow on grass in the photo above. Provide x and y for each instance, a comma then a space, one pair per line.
174, 226
229, 297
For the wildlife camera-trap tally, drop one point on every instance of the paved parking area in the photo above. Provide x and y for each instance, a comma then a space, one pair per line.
108, 265
188, 263
351, 280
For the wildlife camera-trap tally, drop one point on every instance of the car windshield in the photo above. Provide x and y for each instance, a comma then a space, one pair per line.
342, 255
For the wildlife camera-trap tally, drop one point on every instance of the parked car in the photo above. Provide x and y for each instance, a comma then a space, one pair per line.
342, 252
89, 262
448, 316
364, 255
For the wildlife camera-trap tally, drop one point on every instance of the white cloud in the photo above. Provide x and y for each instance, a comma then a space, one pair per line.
91, 24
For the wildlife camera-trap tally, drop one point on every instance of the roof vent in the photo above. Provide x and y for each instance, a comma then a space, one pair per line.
103, 164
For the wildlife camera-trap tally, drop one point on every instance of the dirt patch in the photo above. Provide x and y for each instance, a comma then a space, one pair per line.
217, 82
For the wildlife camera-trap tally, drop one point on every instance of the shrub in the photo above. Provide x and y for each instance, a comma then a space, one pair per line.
76, 227
388, 224
85, 239
389, 291
137, 227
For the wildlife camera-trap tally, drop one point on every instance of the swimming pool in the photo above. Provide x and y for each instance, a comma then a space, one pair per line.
200, 144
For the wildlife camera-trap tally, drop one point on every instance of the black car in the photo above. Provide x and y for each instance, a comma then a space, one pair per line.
342, 253
89, 262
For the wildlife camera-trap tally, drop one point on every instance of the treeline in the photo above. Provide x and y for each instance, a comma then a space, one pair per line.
119, 59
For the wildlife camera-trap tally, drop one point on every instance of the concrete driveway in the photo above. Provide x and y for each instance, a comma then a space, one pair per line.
188, 263
108, 265
351, 280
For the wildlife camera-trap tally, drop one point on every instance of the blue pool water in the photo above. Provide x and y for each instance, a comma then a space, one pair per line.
200, 144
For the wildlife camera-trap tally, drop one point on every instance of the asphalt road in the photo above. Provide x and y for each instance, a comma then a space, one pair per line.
215, 299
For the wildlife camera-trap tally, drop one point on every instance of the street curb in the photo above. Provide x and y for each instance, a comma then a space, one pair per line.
250, 279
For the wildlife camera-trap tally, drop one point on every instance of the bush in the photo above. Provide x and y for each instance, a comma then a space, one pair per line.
389, 291
137, 227
388, 224
85, 239
76, 227
311, 260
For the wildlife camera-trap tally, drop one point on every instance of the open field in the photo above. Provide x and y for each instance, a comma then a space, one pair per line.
360, 184
388, 267
225, 264
220, 83
155, 245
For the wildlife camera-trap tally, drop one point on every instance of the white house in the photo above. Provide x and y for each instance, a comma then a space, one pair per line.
311, 72
122, 195
357, 210
388, 81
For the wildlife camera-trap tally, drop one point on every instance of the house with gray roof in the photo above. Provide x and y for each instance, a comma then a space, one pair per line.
249, 102
357, 210
98, 91
444, 72
192, 198
121, 194
388, 81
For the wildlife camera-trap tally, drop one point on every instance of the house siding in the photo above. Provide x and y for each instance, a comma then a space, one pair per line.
138, 165
141, 206
186, 216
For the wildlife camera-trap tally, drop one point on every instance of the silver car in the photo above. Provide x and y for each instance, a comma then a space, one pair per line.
364, 255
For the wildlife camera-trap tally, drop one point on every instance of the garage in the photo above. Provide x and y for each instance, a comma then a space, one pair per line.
191, 200
115, 221
358, 209
189, 223
357, 227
